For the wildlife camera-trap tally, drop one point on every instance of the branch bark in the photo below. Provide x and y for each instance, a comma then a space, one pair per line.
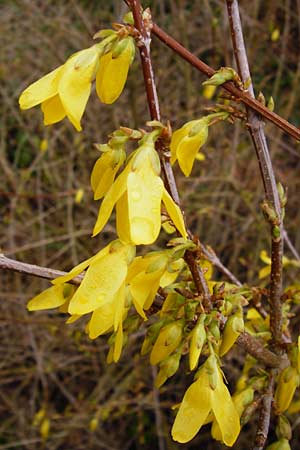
229, 86
267, 173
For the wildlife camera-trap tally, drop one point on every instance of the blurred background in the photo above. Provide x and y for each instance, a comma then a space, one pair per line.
56, 391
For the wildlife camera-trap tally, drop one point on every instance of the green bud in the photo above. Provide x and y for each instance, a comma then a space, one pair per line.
282, 444
167, 341
282, 195
128, 18
214, 329
271, 104
221, 76
198, 338
119, 47
276, 232
168, 368
261, 98
269, 212
283, 429
104, 34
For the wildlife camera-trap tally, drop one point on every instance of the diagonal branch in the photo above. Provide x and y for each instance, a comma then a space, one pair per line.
229, 86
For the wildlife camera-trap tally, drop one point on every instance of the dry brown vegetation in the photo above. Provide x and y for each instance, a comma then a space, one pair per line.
45, 364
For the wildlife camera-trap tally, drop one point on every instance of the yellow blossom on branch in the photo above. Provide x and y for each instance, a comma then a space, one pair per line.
138, 193
65, 91
207, 394
187, 141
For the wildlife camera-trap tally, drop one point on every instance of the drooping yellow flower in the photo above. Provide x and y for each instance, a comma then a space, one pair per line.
105, 170
187, 141
65, 91
207, 394
114, 66
233, 328
138, 193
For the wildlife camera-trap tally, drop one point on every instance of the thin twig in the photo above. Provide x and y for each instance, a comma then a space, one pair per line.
256, 349
229, 86
265, 414
32, 269
267, 173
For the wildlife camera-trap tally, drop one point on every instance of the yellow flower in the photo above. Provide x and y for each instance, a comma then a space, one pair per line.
137, 193
207, 394
186, 143
65, 90
105, 170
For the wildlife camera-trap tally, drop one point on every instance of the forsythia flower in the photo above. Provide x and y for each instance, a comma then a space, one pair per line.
137, 193
207, 394
65, 91
187, 141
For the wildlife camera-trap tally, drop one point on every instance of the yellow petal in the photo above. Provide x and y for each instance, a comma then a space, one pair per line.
123, 226
143, 288
144, 198
193, 411
113, 195
177, 136
73, 318
174, 212
80, 267
118, 344
102, 320
48, 299
119, 302
287, 384
103, 173
75, 83
225, 412
169, 277
264, 272
102, 280
41, 90
188, 148
53, 110
112, 75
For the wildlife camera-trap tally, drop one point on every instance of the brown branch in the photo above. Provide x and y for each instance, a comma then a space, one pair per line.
256, 349
263, 156
265, 414
229, 86
32, 269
